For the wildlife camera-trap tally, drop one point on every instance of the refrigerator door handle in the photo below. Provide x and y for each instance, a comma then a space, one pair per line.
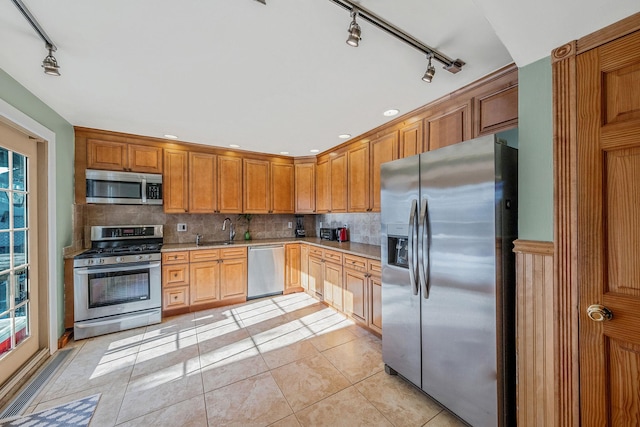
424, 245
413, 240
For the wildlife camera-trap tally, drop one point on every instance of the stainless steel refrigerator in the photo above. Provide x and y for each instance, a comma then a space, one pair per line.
449, 218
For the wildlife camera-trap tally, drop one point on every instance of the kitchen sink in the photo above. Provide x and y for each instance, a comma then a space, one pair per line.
220, 243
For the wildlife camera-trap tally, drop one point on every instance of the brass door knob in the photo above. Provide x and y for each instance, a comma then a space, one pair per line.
599, 313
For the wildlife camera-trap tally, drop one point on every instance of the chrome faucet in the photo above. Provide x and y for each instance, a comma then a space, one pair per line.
232, 230
198, 239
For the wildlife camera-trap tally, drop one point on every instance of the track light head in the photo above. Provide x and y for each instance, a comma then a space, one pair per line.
354, 30
431, 71
50, 64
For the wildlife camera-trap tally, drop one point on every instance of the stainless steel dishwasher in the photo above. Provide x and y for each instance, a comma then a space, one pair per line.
266, 271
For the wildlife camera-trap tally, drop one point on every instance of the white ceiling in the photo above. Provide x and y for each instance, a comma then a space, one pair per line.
271, 78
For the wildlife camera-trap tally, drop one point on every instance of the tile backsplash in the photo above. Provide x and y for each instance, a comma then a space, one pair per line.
209, 225
363, 227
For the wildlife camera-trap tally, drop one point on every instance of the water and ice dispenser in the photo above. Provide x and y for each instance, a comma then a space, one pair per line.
398, 245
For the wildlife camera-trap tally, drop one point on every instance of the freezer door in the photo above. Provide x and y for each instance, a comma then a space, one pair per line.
400, 296
459, 316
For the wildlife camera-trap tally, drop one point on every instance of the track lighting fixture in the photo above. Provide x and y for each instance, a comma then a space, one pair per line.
431, 71
354, 30
50, 64
451, 65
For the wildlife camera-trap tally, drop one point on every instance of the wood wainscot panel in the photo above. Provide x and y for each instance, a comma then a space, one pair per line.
536, 333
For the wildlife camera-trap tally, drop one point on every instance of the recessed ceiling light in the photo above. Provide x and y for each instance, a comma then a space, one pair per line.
284, 152
391, 112
234, 146
170, 136
344, 136
315, 151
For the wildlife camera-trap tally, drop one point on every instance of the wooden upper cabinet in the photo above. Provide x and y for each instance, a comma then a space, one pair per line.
358, 179
121, 156
305, 184
496, 111
229, 184
338, 182
256, 194
282, 176
383, 149
202, 183
323, 200
411, 140
448, 128
175, 182
268, 187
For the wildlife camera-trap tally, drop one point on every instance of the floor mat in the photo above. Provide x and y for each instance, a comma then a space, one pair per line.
73, 414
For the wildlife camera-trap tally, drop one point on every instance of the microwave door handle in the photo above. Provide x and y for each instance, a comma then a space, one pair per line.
413, 237
144, 191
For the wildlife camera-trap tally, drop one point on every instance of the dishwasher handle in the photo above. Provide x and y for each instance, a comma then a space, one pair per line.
263, 247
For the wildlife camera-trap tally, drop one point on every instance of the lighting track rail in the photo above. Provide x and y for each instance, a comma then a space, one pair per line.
49, 64
451, 65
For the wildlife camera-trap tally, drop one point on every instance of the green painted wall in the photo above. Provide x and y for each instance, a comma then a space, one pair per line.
535, 156
19, 97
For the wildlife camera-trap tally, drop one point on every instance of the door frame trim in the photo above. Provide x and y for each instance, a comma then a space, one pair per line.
565, 148
19, 118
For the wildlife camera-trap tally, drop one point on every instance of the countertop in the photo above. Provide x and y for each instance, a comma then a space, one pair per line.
360, 249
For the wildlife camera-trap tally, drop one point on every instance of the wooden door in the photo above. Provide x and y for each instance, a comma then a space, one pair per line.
106, 155
383, 149
338, 182
333, 284
174, 182
609, 231
358, 178
323, 198
203, 196
233, 278
355, 294
144, 158
375, 303
229, 184
316, 276
411, 140
204, 280
304, 266
256, 194
305, 183
281, 188
449, 128
292, 268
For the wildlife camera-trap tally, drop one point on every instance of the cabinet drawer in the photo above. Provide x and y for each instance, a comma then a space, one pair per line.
177, 297
315, 251
333, 256
231, 253
355, 262
175, 275
175, 257
375, 267
204, 255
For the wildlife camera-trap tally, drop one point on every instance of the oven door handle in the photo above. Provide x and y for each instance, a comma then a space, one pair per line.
88, 270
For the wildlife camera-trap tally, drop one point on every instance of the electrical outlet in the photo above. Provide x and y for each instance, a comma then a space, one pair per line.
182, 227
290, 224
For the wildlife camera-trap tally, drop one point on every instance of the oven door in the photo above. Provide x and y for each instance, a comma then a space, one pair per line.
114, 290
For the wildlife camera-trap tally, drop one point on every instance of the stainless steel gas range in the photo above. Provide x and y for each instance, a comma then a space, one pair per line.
117, 283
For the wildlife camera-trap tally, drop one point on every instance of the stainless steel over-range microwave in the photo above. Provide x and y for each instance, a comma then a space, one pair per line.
124, 188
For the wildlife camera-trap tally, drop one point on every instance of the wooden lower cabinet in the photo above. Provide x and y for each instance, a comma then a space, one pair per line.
316, 276
199, 279
375, 303
333, 284
292, 271
355, 295
304, 267
363, 291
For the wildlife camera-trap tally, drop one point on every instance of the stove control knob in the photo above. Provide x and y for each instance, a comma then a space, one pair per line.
89, 261
101, 260
148, 257
139, 257
119, 259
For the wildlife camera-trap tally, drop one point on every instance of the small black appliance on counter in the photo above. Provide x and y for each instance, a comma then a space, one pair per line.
329, 234
300, 231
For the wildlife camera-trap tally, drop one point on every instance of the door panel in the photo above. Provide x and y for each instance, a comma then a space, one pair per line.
608, 231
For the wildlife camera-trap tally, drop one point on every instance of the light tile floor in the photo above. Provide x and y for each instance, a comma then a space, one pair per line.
281, 361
